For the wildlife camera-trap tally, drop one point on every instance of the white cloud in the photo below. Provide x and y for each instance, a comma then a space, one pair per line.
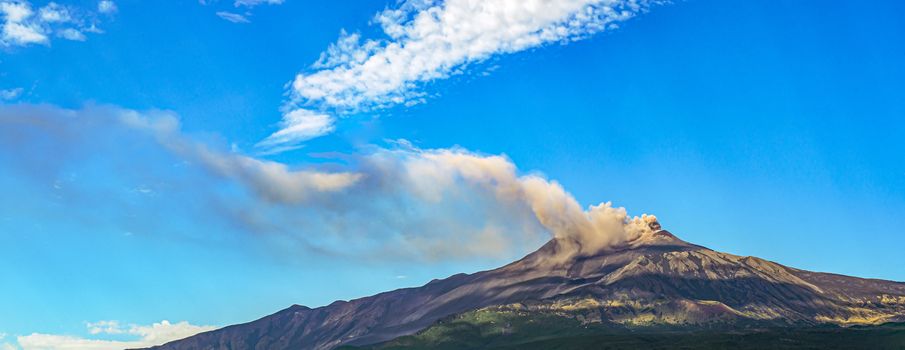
22, 34
22, 26
16, 11
299, 125
105, 327
253, 3
10, 94
246, 5
6, 346
434, 41
72, 34
18, 29
232, 17
431, 40
150, 335
53, 13
106, 6
38, 341
164, 331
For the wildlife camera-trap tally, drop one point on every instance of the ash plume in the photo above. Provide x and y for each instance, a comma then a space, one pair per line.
394, 200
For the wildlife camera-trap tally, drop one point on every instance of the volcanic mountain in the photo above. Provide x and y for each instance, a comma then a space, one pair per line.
654, 280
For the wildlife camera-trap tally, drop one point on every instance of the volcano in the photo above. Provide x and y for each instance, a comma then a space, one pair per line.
653, 281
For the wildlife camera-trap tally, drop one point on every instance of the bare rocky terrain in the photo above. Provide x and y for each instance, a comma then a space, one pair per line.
655, 280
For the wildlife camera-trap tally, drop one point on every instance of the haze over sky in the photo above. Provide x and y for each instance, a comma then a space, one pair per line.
215, 162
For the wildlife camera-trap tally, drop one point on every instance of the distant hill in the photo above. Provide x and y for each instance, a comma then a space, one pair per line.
654, 283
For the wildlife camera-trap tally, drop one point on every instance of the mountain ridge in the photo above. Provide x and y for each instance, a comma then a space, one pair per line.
655, 279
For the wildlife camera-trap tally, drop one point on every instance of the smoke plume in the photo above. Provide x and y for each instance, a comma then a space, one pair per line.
392, 200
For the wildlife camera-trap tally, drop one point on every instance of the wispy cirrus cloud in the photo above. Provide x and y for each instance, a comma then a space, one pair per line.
23, 25
297, 126
253, 3
430, 40
232, 17
242, 9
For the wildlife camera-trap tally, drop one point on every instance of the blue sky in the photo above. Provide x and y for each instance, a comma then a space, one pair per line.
760, 128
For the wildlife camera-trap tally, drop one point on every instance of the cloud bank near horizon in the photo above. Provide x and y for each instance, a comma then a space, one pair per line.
147, 335
429, 40
381, 202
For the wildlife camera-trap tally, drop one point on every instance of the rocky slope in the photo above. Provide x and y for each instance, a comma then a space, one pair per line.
655, 280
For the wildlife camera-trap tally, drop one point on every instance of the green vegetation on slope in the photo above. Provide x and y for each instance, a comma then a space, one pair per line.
507, 329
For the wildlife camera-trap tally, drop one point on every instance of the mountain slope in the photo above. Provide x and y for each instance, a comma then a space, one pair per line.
655, 280
504, 328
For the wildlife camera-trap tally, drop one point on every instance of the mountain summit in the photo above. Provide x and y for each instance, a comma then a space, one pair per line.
656, 279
